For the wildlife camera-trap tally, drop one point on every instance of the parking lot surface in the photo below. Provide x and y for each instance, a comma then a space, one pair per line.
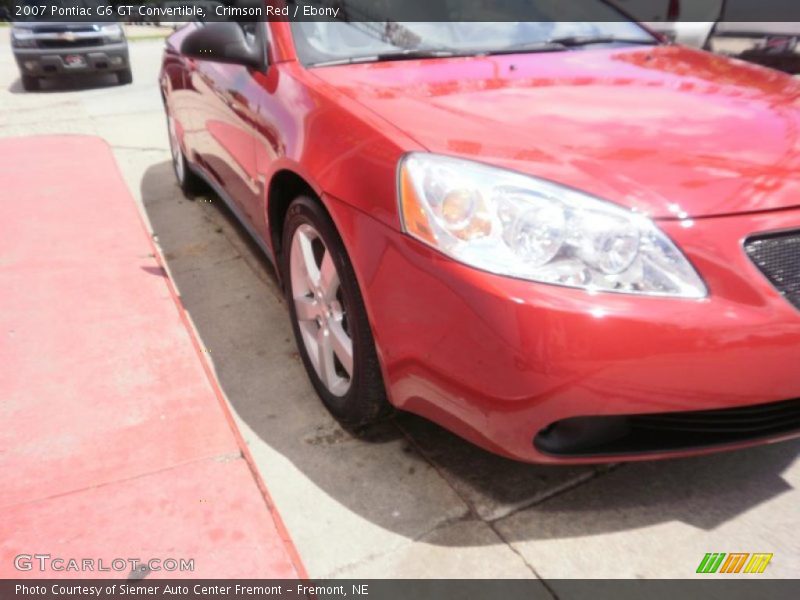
410, 499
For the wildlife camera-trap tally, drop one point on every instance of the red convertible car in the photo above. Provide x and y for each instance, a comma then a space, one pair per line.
564, 241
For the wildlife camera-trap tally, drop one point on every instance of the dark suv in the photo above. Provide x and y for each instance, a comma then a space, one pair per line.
46, 49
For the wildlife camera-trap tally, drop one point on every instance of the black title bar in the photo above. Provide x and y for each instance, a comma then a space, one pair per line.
754, 587
177, 11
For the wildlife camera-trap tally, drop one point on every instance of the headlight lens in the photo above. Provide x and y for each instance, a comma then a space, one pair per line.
112, 31
520, 226
22, 37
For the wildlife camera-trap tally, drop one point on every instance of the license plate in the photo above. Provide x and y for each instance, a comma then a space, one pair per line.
74, 61
779, 44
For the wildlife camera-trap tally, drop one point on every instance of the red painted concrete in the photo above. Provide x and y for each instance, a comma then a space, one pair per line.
116, 441
208, 510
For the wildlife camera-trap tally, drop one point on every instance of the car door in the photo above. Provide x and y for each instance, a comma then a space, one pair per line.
279, 104
224, 130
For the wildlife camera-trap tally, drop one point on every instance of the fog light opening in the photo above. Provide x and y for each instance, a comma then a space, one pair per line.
580, 434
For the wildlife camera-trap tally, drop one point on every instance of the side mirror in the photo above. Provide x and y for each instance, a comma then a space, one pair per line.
222, 41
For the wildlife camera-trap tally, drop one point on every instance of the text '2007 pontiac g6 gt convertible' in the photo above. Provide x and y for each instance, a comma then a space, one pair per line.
564, 240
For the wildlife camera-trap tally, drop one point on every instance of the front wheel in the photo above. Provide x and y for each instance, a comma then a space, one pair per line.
328, 317
124, 77
30, 83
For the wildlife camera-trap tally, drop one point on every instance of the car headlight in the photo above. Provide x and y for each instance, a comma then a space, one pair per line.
520, 226
112, 32
22, 37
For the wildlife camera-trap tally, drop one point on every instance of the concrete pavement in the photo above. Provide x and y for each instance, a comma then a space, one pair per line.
411, 500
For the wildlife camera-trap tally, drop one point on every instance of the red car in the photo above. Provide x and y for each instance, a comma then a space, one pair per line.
565, 241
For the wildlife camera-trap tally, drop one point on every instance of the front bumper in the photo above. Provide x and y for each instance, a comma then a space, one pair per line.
499, 360
42, 62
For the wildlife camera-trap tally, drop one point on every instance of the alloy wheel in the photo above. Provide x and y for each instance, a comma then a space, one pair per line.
320, 310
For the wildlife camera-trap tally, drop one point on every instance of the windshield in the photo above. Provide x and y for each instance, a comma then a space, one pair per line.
358, 34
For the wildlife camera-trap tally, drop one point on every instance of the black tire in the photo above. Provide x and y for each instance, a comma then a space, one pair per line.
365, 401
30, 83
190, 183
124, 77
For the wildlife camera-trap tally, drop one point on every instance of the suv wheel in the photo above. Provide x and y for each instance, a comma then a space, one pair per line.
30, 83
188, 181
124, 77
328, 317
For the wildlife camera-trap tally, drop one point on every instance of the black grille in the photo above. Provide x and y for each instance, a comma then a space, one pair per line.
663, 432
778, 257
67, 44
62, 29
758, 420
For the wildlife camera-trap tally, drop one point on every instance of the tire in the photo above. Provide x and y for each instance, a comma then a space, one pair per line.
30, 83
189, 182
124, 77
356, 397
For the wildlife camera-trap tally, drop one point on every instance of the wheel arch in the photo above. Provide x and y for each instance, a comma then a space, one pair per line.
284, 186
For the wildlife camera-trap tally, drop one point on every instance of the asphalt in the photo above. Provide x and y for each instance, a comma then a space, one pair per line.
411, 500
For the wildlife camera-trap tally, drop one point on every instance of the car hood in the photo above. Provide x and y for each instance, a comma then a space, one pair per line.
670, 131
